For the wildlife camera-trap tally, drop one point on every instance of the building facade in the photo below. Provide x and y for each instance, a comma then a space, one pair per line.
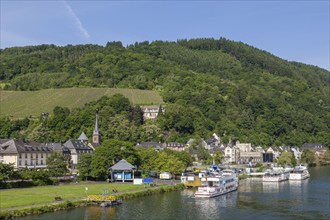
152, 112
27, 154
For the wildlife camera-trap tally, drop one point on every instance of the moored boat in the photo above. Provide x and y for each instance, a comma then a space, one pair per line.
275, 177
299, 173
216, 186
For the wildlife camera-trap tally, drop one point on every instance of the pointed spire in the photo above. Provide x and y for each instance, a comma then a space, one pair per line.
96, 129
96, 133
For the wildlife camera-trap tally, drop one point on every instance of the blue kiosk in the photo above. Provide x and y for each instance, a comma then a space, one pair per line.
122, 171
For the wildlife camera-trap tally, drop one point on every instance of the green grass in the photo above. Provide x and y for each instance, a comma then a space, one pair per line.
46, 194
20, 104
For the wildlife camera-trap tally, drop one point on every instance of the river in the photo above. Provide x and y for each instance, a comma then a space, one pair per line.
308, 199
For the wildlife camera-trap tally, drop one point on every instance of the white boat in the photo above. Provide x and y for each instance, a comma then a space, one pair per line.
274, 177
216, 186
299, 173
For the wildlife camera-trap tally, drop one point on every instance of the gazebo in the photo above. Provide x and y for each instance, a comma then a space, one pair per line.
122, 171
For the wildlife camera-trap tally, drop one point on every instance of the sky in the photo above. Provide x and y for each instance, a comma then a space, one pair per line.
293, 30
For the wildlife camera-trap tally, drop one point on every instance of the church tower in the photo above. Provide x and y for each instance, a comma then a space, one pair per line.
96, 133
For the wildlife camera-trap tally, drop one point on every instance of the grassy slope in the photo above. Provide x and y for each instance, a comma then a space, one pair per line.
19, 104
46, 194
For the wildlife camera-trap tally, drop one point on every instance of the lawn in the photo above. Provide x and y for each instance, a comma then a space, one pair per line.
20, 104
46, 194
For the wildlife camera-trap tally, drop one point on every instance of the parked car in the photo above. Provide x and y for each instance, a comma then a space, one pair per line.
165, 176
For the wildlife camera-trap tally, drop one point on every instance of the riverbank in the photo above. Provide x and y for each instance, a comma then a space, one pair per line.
69, 204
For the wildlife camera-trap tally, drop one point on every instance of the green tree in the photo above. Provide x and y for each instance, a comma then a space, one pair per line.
109, 153
84, 166
218, 157
148, 157
6, 172
285, 159
169, 163
57, 164
324, 159
308, 157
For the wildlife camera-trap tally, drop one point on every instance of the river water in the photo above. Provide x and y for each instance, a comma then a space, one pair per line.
308, 199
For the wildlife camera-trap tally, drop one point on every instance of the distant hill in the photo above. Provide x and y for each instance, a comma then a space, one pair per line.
209, 86
19, 104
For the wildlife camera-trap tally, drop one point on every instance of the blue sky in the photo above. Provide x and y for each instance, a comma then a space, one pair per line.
293, 30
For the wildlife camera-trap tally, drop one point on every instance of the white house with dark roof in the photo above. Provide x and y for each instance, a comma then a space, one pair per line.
175, 146
318, 149
157, 146
231, 154
151, 112
77, 148
26, 154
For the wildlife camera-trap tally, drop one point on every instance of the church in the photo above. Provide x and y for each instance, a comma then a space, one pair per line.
81, 145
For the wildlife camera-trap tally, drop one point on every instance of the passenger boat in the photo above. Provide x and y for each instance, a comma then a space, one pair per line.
275, 177
216, 186
299, 173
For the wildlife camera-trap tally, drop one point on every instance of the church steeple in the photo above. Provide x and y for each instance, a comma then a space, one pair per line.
96, 132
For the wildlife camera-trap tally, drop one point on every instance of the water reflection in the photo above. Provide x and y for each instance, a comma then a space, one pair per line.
271, 187
298, 187
251, 185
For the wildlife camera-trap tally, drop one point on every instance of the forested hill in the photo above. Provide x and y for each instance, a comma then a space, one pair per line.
209, 85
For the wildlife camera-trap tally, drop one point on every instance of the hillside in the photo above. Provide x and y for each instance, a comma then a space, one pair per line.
20, 104
209, 85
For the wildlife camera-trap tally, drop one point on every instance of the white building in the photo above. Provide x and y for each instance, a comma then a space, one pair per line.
77, 148
231, 154
151, 112
27, 154
244, 147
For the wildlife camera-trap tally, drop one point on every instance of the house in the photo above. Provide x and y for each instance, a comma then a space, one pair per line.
200, 142
251, 156
213, 142
152, 112
319, 149
26, 154
157, 146
231, 154
77, 148
244, 147
296, 152
275, 151
175, 146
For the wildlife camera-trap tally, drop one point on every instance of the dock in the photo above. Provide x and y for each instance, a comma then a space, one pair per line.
105, 201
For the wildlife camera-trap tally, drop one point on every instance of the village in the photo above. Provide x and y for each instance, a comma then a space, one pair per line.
33, 155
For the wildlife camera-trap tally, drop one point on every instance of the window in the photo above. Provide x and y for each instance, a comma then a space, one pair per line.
37, 163
20, 156
25, 163
36, 155
31, 163
25, 155
42, 155
20, 163
42, 162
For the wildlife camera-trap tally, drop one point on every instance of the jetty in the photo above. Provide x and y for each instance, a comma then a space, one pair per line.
105, 200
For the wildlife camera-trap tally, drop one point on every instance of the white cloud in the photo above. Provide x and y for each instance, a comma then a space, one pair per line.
77, 21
